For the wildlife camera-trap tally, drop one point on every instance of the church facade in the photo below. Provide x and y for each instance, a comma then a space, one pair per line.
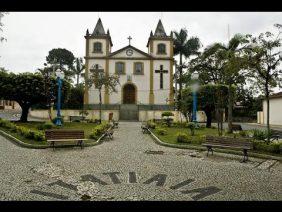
146, 79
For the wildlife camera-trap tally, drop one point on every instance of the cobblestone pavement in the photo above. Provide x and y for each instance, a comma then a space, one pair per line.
133, 167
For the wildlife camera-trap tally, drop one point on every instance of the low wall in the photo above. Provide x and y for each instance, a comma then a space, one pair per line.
93, 114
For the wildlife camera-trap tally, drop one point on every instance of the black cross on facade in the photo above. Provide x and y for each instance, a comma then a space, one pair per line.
161, 71
129, 39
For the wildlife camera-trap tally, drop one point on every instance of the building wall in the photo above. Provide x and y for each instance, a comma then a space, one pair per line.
275, 115
142, 82
155, 48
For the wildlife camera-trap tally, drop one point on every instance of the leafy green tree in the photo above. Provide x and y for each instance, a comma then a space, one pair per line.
99, 79
75, 100
210, 101
27, 89
184, 47
78, 68
63, 59
233, 60
264, 60
185, 104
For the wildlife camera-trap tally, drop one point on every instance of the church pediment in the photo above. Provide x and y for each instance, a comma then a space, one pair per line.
129, 52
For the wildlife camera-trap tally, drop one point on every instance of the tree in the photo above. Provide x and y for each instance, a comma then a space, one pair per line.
27, 89
185, 104
211, 98
1, 25
264, 60
184, 47
75, 100
233, 66
78, 68
99, 79
62, 58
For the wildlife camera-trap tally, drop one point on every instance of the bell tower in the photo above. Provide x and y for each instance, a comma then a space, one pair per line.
98, 48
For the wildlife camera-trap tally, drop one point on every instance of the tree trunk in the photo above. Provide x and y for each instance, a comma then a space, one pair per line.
230, 108
25, 109
100, 106
209, 118
180, 75
267, 113
77, 82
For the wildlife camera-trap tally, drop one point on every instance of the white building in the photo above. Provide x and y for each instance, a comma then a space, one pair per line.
146, 79
275, 113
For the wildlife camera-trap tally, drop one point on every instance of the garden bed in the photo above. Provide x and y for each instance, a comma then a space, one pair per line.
31, 134
180, 137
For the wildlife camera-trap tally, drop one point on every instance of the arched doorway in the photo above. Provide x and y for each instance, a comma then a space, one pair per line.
129, 94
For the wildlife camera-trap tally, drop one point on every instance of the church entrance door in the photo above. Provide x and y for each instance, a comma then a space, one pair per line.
129, 94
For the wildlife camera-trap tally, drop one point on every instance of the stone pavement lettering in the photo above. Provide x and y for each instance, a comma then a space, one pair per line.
158, 179
123, 169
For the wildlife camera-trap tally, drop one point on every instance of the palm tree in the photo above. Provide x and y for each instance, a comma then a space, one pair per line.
78, 68
233, 63
184, 47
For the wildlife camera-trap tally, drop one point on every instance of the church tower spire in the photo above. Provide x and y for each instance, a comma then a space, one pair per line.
99, 29
160, 32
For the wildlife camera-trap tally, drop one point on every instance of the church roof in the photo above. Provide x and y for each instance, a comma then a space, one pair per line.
132, 47
99, 29
160, 32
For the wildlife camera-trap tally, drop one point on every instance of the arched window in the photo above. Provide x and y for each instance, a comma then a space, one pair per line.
120, 68
97, 47
161, 48
138, 68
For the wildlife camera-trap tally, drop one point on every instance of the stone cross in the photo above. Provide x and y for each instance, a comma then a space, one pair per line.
161, 72
129, 38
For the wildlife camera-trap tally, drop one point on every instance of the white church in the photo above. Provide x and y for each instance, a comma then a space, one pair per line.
146, 79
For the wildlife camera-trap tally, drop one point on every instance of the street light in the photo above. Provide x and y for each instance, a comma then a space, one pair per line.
195, 87
60, 76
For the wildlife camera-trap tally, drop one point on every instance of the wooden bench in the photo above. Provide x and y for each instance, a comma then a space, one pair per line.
236, 127
115, 124
77, 118
109, 133
61, 136
145, 128
228, 142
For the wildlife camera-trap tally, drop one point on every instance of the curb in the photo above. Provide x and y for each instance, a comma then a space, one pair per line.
21, 143
251, 154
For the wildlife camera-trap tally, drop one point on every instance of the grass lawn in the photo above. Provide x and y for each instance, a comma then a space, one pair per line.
172, 132
87, 127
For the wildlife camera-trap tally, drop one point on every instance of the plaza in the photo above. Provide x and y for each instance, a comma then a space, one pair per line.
72, 173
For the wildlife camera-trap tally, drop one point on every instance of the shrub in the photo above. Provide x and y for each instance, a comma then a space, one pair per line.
39, 136
167, 113
99, 130
45, 126
263, 146
192, 127
6, 124
161, 131
261, 134
180, 124
183, 137
151, 124
243, 133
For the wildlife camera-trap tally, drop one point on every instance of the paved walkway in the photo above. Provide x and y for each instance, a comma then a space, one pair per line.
133, 167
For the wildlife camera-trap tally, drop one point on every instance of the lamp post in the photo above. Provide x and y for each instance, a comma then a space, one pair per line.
60, 76
195, 87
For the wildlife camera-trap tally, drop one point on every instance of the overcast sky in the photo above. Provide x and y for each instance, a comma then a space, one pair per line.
30, 35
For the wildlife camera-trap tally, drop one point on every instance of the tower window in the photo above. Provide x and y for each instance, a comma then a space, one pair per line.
120, 68
161, 49
97, 47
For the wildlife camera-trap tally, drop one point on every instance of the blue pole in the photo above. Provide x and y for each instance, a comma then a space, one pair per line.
194, 115
58, 121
